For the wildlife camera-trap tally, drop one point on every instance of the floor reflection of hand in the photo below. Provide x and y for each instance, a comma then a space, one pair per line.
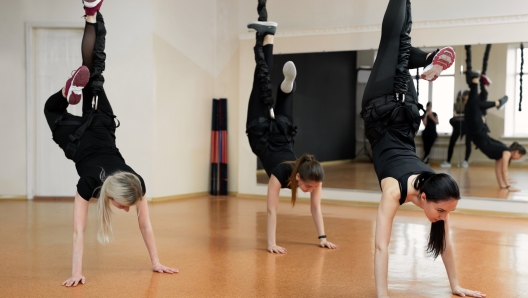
511, 189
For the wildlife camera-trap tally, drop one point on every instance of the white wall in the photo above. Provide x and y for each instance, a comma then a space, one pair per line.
168, 59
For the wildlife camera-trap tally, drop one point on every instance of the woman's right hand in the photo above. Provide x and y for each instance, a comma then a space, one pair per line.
74, 280
277, 249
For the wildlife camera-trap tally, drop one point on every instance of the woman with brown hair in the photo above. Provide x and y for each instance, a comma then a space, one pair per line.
478, 130
270, 132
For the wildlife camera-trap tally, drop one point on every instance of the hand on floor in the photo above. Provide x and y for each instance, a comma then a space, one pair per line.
511, 189
328, 244
74, 280
277, 249
465, 292
164, 269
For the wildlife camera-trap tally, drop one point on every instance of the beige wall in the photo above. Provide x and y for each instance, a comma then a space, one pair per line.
168, 59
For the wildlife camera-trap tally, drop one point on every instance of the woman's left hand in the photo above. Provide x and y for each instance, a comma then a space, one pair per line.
458, 290
163, 269
328, 244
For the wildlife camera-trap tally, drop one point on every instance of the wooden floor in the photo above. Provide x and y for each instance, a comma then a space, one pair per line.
475, 181
219, 246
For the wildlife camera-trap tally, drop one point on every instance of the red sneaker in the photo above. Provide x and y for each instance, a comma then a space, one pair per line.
485, 80
92, 6
441, 61
75, 85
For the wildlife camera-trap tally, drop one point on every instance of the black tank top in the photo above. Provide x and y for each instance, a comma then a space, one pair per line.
395, 156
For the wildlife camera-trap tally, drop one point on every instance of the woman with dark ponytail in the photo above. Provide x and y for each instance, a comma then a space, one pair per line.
392, 117
270, 132
478, 130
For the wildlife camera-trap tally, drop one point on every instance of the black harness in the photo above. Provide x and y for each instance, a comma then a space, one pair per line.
281, 125
384, 110
75, 138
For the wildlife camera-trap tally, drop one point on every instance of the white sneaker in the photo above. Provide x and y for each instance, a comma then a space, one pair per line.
465, 164
290, 73
445, 164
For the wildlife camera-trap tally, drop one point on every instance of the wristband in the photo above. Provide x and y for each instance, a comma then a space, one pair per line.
322, 236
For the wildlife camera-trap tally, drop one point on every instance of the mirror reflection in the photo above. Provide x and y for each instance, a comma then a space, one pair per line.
473, 127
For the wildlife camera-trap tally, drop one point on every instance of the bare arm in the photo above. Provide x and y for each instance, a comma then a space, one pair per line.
449, 262
501, 169
148, 237
274, 187
386, 211
506, 155
448, 257
317, 215
435, 119
80, 215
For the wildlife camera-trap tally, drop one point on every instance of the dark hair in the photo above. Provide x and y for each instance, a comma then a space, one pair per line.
429, 103
437, 188
518, 147
308, 168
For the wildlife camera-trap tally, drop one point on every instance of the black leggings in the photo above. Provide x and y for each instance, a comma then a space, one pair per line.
476, 104
57, 104
256, 107
428, 142
459, 130
382, 76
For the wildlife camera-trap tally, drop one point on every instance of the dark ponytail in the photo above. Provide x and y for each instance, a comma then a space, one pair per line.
308, 168
437, 188
518, 147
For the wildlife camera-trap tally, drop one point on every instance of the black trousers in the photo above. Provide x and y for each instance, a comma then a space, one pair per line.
257, 108
381, 83
459, 130
56, 105
429, 139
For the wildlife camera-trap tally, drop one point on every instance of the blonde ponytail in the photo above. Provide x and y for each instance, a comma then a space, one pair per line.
308, 168
123, 187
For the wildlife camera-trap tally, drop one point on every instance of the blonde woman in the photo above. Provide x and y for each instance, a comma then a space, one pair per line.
271, 135
90, 142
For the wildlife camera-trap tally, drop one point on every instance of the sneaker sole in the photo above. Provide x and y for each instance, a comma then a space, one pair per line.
80, 79
441, 61
502, 104
290, 73
263, 26
91, 4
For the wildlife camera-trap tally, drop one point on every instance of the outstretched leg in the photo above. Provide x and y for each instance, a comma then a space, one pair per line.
381, 80
92, 49
264, 58
284, 104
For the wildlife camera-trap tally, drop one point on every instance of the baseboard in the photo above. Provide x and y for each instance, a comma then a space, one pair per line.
409, 207
13, 198
180, 197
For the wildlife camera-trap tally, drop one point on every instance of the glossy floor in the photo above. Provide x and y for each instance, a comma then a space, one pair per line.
475, 181
219, 245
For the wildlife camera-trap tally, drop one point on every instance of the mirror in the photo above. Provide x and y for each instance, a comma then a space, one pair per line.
328, 102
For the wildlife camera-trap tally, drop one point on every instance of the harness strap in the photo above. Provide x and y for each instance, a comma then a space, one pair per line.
74, 138
273, 127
